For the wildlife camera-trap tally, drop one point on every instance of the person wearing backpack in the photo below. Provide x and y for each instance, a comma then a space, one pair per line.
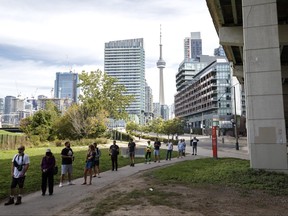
19, 167
97, 161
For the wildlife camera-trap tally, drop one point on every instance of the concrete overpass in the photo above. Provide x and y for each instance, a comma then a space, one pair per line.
254, 35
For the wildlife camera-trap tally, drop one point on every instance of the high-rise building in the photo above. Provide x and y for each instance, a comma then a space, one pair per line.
65, 86
8, 107
165, 112
1, 106
189, 68
148, 103
219, 51
156, 110
192, 46
207, 98
125, 60
12, 107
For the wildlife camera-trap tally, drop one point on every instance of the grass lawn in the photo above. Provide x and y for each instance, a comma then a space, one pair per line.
33, 179
223, 173
10, 133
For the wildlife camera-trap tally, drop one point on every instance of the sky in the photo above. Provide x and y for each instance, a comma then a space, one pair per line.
39, 38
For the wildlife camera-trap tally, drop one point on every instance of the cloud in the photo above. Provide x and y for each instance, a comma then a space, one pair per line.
40, 38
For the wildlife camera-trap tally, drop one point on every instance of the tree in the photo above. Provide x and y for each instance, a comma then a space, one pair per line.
102, 94
77, 124
173, 126
131, 126
156, 125
42, 122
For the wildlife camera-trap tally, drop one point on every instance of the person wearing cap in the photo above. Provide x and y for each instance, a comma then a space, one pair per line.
19, 167
47, 166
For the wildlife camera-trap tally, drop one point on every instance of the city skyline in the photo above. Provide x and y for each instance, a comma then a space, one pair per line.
37, 39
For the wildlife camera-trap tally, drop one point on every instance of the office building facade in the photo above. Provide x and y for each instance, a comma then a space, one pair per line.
125, 60
189, 68
148, 104
65, 86
192, 46
1, 105
207, 99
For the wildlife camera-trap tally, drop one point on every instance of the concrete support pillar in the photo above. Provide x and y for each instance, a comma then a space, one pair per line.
263, 87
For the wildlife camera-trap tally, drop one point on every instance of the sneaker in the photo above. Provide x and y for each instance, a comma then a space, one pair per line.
99, 176
18, 201
60, 185
10, 201
71, 183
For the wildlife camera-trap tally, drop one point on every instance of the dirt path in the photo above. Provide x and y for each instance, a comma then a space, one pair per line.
134, 196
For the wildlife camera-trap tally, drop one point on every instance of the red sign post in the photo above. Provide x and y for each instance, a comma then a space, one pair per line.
214, 141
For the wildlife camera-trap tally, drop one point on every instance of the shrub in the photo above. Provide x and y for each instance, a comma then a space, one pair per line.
35, 140
58, 143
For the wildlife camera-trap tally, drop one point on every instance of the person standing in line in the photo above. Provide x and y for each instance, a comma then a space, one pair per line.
169, 150
90, 158
114, 152
66, 167
148, 152
157, 145
47, 166
131, 149
183, 147
19, 167
194, 145
97, 161
180, 148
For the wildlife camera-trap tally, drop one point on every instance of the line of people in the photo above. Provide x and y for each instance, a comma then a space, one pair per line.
21, 162
20, 165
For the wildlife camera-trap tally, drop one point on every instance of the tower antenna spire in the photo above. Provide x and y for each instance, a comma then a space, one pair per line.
160, 34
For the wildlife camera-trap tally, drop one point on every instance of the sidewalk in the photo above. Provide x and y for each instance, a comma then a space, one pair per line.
68, 195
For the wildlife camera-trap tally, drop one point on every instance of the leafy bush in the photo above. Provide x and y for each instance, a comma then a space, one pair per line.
35, 140
58, 143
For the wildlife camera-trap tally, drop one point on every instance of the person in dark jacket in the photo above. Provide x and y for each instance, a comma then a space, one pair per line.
194, 142
47, 166
114, 152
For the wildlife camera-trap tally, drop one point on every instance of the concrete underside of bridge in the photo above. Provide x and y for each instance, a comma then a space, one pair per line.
254, 34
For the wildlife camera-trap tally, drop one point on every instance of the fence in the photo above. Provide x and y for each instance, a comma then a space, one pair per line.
139, 152
8, 141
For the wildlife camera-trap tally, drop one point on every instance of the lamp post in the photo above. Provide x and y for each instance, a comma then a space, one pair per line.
190, 132
235, 121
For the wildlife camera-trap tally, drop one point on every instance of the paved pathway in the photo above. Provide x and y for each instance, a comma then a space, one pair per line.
35, 204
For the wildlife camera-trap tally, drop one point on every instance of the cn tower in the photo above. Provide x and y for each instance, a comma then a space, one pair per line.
161, 65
